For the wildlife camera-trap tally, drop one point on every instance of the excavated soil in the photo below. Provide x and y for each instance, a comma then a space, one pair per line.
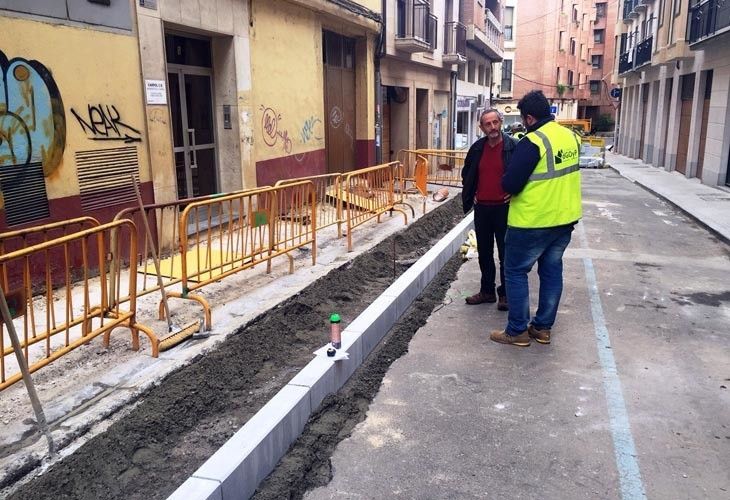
179, 423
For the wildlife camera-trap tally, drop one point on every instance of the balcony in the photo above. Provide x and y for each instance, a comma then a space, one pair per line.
625, 62
643, 53
487, 38
630, 12
708, 20
454, 43
637, 57
415, 28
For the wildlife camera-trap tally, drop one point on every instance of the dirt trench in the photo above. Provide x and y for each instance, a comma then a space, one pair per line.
179, 423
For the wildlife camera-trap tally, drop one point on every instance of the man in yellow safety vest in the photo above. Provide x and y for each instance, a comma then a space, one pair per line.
543, 178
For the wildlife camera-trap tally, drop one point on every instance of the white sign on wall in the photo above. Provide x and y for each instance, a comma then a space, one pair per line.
155, 91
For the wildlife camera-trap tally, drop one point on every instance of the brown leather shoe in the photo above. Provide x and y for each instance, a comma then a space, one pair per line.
521, 340
542, 336
481, 298
502, 303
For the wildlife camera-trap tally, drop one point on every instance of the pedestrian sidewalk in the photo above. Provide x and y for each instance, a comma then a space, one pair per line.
708, 205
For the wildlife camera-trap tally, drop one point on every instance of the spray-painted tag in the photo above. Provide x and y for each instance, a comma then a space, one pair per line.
260, 218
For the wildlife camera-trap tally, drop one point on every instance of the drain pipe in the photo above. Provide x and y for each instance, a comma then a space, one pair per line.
379, 53
452, 111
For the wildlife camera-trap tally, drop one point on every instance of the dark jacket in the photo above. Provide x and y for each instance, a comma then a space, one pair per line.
470, 172
524, 160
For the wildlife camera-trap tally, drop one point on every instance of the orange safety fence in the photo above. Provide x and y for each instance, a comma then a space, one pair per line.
368, 193
22, 238
51, 324
164, 221
260, 224
443, 166
328, 188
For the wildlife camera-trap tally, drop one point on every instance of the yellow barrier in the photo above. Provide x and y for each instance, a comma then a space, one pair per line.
52, 317
443, 166
164, 220
582, 125
368, 193
260, 224
328, 189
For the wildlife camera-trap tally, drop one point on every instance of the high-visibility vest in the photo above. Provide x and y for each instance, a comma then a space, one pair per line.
552, 195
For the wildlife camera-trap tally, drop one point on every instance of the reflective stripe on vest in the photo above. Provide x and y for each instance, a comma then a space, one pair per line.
551, 172
552, 195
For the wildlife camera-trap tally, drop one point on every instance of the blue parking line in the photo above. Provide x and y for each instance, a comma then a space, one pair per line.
623, 442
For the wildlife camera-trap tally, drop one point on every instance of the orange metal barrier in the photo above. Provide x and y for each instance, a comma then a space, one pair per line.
443, 167
369, 192
260, 224
164, 219
328, 188
23, 238
52, 317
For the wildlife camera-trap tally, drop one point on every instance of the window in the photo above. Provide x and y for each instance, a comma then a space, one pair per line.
470, 71
461, 73
575, 13
597, 61
506, 75
583, 52
572, 46
507, 24
595, 87
480, 74
557, 75
570, 77
462, 122
599, 36
601, 10
561, 41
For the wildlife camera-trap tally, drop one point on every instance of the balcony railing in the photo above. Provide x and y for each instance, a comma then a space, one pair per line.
432, 34
493, 28
708, 19
636, 57
454, 43
629, 8
643, 52
416, 27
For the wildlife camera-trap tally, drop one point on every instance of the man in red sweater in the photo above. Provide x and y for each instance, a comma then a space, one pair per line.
482, 180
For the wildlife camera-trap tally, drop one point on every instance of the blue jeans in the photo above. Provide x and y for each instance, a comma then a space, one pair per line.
524, 247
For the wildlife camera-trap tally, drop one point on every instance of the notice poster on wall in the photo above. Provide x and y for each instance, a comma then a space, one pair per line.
155, 91
148, 4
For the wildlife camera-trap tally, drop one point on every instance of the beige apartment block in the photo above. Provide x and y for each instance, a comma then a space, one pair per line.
675, 79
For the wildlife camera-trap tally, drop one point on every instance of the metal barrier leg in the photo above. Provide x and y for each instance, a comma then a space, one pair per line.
197, 298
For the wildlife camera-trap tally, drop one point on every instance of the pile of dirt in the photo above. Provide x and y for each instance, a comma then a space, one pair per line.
179, 423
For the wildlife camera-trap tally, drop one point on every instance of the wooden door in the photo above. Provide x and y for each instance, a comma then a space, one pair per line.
339, 102
685, 119
703, 128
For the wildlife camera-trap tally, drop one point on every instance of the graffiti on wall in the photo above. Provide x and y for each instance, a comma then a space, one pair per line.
32, 121
311, 130
271, 130
104, 123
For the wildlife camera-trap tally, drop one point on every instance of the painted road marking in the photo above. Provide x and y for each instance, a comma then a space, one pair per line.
623, 442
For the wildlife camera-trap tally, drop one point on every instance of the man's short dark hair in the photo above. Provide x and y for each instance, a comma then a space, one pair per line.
534, 103
491, 110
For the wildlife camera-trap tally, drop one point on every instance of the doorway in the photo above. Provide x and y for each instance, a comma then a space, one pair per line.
703, 127
644, 109
687, 88
189, 80
339, 101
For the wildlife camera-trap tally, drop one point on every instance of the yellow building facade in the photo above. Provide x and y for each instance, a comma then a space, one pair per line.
72, 125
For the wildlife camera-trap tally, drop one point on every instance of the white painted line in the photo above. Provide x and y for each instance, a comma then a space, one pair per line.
623, 442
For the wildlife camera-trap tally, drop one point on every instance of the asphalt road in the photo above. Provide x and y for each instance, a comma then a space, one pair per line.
631, 399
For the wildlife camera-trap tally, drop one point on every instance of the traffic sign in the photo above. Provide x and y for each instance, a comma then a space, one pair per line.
616, 93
